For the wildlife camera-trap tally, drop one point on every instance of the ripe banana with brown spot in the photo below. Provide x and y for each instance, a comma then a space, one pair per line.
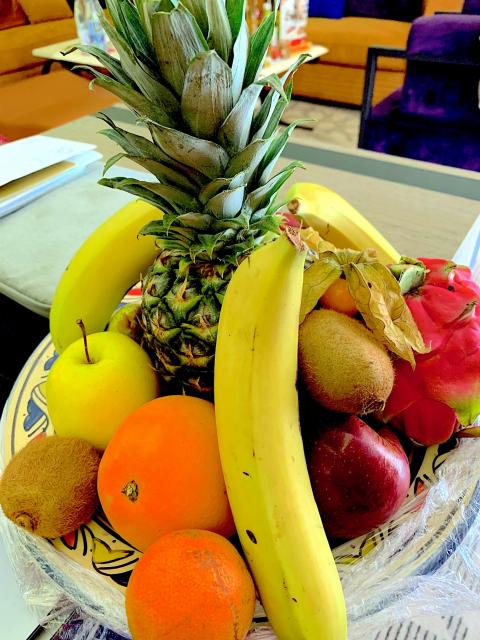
262, 452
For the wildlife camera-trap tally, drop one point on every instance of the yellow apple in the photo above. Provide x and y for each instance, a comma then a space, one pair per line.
96, 383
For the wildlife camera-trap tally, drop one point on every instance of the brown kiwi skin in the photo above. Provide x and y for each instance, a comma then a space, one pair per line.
49, 488
342, 365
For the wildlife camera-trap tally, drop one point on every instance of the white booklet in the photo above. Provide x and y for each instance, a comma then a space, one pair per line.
34, 166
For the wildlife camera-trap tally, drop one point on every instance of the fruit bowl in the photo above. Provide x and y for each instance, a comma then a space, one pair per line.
92, 566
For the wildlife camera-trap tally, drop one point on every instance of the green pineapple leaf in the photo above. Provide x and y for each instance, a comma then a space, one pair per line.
168, 198
207, 76
220, 184
166, 174
209, 158
113, 161
199, 10
219, 32
262, 196
226, 204
177, 39
113, 8
236, 15
235, 131
240, 58
259, 44
199, 221
276, 148
274, 82
142, 75
278, 111
132, 98
248, 160
133, 28
109, 62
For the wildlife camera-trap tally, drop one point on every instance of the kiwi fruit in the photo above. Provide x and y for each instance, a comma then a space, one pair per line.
342, 365
49, 488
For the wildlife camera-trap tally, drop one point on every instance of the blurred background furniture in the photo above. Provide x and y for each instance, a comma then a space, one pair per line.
435, 115
348, 28
29, 102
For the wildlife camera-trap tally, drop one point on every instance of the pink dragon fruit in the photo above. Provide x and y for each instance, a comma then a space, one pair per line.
443, 392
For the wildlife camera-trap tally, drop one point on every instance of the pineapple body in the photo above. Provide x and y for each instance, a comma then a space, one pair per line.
180, 315
189, 71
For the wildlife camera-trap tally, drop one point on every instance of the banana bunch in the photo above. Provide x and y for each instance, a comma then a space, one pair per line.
338, 222
108, 263
261, 447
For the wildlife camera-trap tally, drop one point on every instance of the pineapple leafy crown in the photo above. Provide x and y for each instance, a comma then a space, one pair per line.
189, 70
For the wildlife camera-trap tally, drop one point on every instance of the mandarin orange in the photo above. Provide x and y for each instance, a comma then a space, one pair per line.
161, 472
190, 585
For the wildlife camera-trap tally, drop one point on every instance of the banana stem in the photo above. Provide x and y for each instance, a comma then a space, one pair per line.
84, 333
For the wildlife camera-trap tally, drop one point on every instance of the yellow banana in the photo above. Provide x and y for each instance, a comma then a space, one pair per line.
261, 447
338, 222
107, 264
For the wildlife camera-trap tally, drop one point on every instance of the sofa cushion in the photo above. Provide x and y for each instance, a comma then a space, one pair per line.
36, 104
348, 39
16, 44
46, 10
404, 10
11, 14
472, 7
444, 92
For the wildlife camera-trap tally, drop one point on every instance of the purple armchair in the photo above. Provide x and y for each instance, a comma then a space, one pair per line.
435, 116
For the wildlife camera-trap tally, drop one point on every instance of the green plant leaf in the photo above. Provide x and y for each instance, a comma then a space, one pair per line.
219, 32
240, 58
133, 28
198, 221
113, 8
205, 156
226, 204
109, 62
274, 82
236, 10
135, 100
177, 39
207, 94
166, 174
142, 75
259, 44
220, 184
113, 161
248, 160
262, 196
234, 133
275, 150
170, 198
199, 10
138, 146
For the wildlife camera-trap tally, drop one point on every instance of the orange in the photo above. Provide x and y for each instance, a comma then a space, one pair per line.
161, 472
338, 298
190, 585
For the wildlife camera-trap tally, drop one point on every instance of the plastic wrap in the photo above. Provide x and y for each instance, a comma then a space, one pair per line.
424, 562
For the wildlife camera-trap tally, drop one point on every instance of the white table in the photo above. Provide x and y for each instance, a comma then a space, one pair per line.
53, 52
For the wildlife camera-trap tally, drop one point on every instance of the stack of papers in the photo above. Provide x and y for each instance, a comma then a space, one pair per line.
34, 166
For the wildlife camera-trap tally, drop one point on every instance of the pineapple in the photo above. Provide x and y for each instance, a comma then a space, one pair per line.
189, 71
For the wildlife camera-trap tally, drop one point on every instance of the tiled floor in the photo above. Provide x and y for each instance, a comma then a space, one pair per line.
332, 125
